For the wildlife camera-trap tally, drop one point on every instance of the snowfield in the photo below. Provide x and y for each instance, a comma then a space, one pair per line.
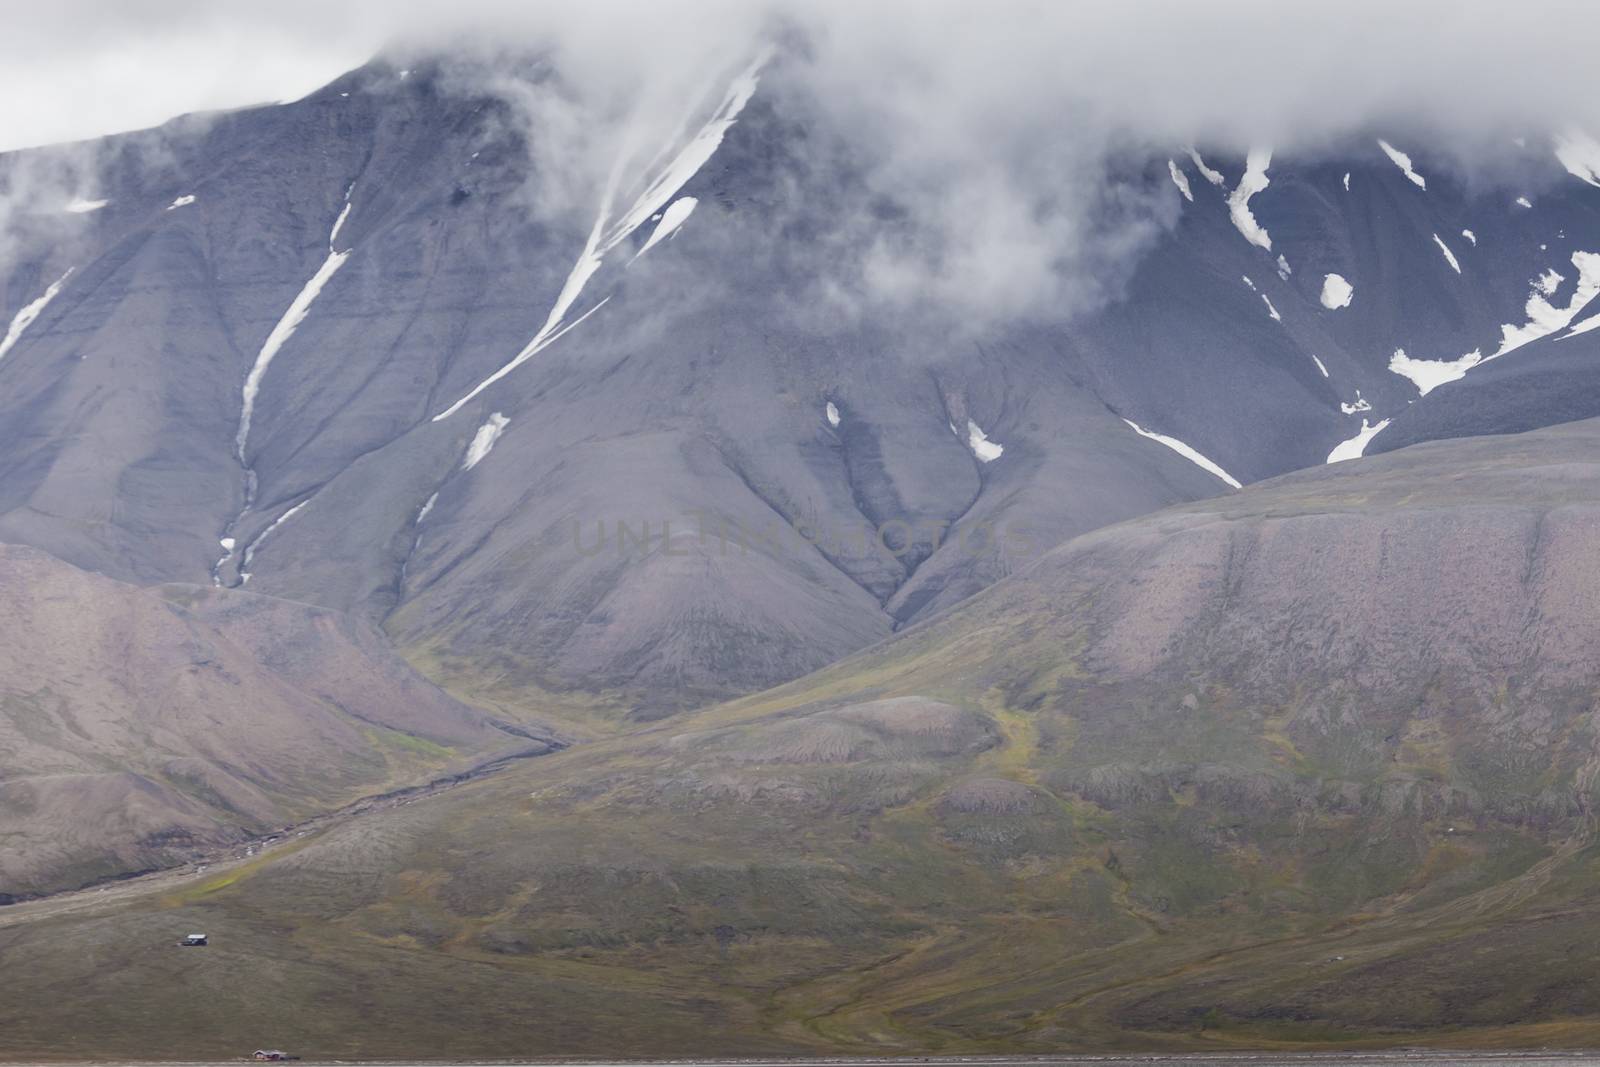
1336, 292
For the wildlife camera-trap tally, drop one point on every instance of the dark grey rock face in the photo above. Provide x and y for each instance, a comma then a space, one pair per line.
374, 240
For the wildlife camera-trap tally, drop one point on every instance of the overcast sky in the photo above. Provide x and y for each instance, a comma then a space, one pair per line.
78, 68
993, 122
72, 69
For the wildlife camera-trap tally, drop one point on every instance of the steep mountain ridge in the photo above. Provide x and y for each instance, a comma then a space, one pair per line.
442, 385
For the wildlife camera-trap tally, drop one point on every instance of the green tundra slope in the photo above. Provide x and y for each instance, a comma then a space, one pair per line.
1312, 764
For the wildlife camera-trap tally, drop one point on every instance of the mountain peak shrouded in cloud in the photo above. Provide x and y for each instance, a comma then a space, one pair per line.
1237, 71
997, 134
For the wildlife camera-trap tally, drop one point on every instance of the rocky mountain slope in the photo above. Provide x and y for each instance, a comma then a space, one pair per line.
1309, 763
326, 348
140, 728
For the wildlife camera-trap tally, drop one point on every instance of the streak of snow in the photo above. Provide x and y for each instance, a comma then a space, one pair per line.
1449, 256
1357, 445
31, 312
676, 214
986, 450
484, 440
1185, 451
1181, 180
1254, 180
1270, 309
81, 206
603, 238
1320, 366
1523, 201
255, 546
182, 201
832, 414
1583, 327
1469, 235
1336, 292
284, 329
426, 508
1347, 181
1213, 176
1284, 270
338, 223
299, 308
1402, 161
1248, 282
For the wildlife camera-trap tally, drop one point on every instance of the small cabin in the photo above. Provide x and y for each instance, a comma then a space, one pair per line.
193, 940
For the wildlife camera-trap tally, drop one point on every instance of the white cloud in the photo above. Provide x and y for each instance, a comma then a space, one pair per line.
1234, 70
993, 126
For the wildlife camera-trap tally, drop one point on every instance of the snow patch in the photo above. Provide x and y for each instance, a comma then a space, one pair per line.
1449, 256
1248, 282
1544, 318
671, 219
1213, 176
1361, 404
1347, 181
1402, 161
1254, 181
80, 206
484, 440
1181, 180
1429, 374
29, 313
1469, 235
1186, 452
182, 201
1284, 270
1357, 445
1336, 292
986, 450
1523, 201
831, 413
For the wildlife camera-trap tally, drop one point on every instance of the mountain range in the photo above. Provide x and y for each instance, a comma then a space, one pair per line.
513, 633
